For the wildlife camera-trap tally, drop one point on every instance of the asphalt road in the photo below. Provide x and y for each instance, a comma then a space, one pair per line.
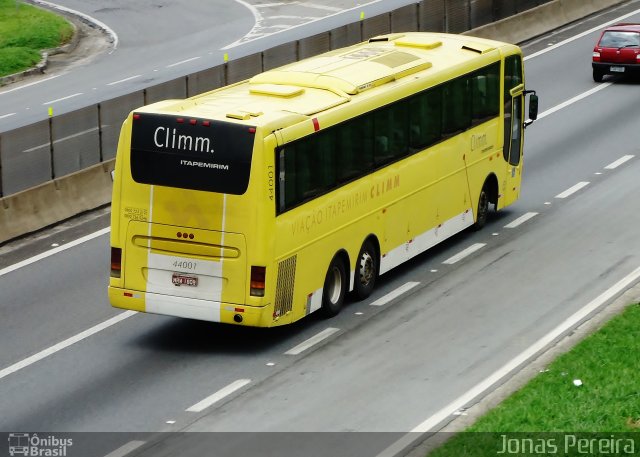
159, 40
392, 367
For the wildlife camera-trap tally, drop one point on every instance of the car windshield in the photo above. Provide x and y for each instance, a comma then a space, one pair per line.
618, 39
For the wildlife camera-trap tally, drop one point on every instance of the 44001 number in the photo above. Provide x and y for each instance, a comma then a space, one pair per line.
184, 265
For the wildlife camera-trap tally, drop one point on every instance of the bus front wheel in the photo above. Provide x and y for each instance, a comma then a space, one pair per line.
366, 270
335, 286
483, 209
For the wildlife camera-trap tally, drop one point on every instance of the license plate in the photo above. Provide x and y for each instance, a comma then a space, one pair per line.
617, 69
184, 280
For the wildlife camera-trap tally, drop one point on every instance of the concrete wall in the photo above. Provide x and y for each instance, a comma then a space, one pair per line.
55, 169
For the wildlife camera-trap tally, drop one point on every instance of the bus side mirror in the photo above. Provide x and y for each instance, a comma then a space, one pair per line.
533, 107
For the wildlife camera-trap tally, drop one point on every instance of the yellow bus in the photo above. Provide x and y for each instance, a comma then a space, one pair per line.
261, 202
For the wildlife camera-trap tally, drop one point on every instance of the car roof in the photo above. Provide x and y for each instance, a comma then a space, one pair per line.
625, 26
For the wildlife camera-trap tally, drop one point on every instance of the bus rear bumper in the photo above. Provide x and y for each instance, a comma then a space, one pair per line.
190, 308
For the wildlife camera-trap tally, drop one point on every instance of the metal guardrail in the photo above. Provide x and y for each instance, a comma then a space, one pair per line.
61, 145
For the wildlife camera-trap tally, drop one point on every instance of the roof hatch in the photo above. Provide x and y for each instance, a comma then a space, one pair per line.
480, 48
348, 73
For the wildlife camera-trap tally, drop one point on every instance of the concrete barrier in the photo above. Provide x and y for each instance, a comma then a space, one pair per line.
112, 114
205, 80
457, 16
280, 55
377, 25
405, 19
243, 68
176, 88
481, 13
346, 35
431, 16
314, 45
25, 157
35, 208
75, 140
541, 19
55, 201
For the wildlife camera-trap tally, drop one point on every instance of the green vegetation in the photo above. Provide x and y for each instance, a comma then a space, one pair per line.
606, 400
26, 30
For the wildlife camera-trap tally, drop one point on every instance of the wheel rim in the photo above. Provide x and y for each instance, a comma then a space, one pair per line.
335, 285
366, 271
483, 206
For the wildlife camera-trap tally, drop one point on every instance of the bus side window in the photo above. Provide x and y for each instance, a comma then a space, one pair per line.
400, 130
433, 101
365, 145
456, 112
290, 187
325, 160
512, 74
345, 160
383, 130
303, 171
417, 121
354, 158
425, 118
485, 89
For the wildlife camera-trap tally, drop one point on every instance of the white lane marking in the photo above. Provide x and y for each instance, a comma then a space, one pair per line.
464, 400
103, 26
312, 341
394, 294
257, 16
29, 85
253, 35
51, 252
521, 220
572, 190
619, 162
580, 35
7, 115
219, 395
183, 61
573, 100
123, 80
46, 145
467, 252
65, 344
304, 18
322, 7
61, 99
569, 40
126, 449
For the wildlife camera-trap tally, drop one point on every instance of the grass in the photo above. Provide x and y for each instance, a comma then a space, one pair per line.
26, 30
551, 406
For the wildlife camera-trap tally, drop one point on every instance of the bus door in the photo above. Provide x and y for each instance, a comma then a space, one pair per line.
513, 129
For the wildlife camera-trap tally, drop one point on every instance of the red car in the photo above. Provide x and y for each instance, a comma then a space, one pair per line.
617, 51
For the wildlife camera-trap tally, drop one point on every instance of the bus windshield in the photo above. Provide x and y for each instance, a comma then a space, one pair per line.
191, 153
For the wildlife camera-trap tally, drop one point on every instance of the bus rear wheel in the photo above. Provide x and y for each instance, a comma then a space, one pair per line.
366, 270
335, 287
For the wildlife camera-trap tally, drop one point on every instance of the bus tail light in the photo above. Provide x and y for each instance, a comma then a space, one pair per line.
116, 262
258, 275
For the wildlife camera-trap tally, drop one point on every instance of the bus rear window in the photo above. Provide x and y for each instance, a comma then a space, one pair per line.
191, 153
